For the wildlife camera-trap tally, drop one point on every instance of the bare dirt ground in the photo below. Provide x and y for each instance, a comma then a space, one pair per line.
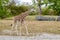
44, 36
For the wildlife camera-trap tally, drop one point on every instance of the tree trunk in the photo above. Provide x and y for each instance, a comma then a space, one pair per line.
40, 10
39, 5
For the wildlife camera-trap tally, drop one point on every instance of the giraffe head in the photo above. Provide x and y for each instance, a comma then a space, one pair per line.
32, 10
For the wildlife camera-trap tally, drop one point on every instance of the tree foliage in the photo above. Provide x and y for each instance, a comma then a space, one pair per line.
52, 4
3, 10
8, 9
37, 4
15, 10
55, 5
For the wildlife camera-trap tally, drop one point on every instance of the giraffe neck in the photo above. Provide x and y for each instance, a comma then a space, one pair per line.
22, 16
26, 13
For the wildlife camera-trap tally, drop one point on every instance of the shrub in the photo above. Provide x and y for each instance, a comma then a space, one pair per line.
33, 13
47, 11
15, 10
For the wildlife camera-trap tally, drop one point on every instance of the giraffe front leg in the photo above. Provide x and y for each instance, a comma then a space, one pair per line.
26, 28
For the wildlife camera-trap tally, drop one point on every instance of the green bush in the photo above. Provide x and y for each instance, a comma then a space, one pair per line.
33, 13
3, 12
47, 11
15, 10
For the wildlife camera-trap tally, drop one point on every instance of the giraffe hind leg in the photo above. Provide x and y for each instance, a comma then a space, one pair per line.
12, 28
16, 27
20, 28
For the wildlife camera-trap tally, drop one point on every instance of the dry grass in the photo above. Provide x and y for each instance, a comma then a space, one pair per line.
34, 26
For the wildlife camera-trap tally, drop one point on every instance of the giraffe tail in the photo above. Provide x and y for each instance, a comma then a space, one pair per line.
11, 24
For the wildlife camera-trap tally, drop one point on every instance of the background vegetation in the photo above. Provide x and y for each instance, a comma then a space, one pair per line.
9, 8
